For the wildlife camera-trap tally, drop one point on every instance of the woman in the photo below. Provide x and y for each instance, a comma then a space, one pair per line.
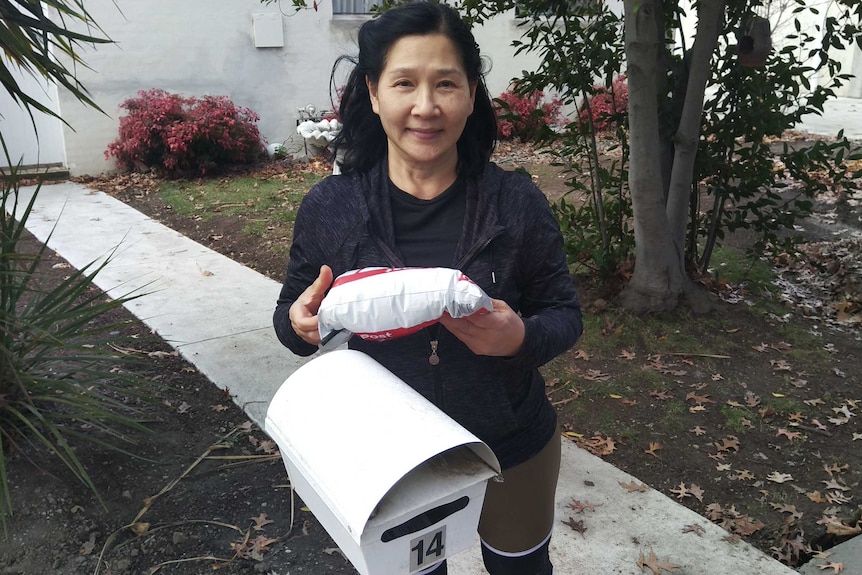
417, 189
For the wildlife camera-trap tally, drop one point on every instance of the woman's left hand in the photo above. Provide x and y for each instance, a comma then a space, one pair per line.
498, 333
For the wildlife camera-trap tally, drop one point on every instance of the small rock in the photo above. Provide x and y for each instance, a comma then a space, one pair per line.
122, 565
127, 494
179, 537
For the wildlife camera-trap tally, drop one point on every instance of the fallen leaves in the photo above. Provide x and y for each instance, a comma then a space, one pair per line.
843, 530
632, 486
597, 445
732, 520
580, 506
576, 525
654, 564
777, 477
730, 443
260, 521
653, 447
791, 435
692, 490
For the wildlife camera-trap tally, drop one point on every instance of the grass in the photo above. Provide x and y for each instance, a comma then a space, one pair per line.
735, 267
260, 201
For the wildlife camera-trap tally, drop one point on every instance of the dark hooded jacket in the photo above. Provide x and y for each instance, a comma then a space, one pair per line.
510, 246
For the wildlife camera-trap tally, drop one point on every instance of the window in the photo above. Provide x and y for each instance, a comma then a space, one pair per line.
353, 6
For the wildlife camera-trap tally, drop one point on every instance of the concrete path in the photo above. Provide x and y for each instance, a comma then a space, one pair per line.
838, 114
217, 313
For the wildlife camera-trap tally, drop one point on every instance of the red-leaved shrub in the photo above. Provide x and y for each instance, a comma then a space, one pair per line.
526, 116
181, 135
608, 106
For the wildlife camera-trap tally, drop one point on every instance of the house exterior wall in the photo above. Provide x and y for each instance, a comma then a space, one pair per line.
199, 47
781, 17
36, 140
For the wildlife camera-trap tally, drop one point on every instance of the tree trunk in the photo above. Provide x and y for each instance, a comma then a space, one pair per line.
659, 278
709, 18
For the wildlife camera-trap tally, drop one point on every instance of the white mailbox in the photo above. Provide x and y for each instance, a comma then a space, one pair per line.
397, 483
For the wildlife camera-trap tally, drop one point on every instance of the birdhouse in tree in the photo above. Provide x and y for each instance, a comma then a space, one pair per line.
754, 43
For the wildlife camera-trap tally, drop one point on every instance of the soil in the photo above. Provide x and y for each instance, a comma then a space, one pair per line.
719, 424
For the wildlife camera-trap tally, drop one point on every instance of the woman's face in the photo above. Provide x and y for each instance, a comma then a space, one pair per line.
423, 98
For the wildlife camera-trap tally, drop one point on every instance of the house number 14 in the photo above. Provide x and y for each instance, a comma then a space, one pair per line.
428, 549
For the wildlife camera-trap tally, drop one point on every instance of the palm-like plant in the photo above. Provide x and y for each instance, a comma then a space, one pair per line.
31, 40
59, 381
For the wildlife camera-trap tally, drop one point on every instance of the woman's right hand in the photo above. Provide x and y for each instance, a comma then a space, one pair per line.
303, 312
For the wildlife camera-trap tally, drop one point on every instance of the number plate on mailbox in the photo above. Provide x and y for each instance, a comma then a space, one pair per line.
428, 549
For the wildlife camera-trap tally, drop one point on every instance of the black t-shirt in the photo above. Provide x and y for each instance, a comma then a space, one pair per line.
427, 231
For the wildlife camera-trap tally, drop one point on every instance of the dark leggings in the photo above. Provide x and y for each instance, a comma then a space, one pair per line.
536, 562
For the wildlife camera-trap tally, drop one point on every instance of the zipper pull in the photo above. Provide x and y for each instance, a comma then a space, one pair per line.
433, 359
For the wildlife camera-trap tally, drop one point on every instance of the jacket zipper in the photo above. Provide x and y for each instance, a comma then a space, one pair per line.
433, 358
478, 247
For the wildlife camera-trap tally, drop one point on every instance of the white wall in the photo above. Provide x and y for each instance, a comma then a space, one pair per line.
199, 47
36, 140
781, 16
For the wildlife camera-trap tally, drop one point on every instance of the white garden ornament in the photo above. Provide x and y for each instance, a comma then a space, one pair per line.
319, 133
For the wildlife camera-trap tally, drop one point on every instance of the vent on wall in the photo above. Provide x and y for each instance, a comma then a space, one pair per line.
268, 31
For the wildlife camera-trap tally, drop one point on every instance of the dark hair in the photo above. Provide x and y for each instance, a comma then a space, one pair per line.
361, 143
